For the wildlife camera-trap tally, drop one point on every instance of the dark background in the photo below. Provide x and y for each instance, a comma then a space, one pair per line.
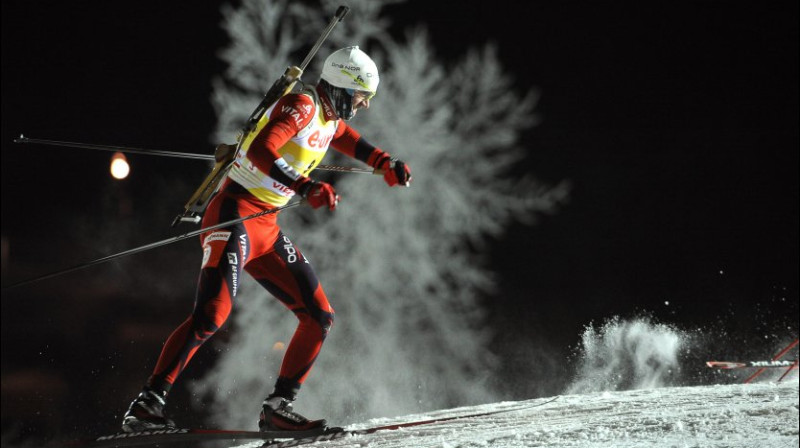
676, 123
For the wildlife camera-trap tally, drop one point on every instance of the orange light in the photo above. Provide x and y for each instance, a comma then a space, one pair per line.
119, 166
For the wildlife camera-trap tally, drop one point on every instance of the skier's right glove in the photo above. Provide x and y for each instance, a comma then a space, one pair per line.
316, 193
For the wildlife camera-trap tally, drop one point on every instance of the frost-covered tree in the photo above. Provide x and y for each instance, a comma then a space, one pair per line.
404, 268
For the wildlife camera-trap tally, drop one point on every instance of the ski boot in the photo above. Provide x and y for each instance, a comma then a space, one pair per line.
277, 415
146, 413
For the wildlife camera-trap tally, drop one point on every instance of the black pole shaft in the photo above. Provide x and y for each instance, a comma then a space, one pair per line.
175, 154
149, 152
154, 245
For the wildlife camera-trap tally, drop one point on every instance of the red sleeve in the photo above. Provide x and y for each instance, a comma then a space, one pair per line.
349, 142
292, 113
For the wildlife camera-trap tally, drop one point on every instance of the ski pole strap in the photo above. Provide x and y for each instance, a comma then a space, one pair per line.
154, 245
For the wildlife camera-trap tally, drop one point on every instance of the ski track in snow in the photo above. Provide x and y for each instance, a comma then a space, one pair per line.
761, 415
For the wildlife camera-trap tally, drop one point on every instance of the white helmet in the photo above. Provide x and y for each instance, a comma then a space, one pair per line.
344, 72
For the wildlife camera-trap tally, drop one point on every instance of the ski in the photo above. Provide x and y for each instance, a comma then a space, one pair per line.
748, 364
271, 439
176, 435
300, 441
762, 366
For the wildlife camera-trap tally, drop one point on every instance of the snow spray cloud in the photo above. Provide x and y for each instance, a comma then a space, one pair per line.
627, 354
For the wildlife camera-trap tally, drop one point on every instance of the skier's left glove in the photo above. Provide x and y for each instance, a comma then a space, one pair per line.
317, 193
395, 172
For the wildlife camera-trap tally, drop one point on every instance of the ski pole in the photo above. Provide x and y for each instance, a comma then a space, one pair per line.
154, 245
789, 369
180, 155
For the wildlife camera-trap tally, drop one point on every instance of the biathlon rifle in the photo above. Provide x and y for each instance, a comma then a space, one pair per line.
224, 155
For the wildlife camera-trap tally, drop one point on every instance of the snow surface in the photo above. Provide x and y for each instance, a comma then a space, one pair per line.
761, 415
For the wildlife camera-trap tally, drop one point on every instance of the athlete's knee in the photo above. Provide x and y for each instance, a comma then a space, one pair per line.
210, 316
326, 322
323, 312
323, 321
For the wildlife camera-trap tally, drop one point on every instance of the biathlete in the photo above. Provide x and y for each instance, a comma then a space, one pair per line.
273, 165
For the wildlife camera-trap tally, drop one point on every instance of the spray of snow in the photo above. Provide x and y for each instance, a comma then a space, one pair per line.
628, 354
641, 353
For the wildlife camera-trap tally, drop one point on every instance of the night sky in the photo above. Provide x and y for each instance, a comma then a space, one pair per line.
675, 122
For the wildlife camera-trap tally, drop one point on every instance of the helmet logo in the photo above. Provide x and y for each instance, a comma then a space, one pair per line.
358, 80
353, 68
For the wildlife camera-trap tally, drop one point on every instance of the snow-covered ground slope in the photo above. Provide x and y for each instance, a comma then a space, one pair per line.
752, 416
